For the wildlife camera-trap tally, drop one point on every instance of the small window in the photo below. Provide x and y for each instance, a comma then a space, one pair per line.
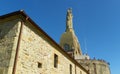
80, 72
0, 33
70, 69
76, 52
66, 47
39, 65
55, 60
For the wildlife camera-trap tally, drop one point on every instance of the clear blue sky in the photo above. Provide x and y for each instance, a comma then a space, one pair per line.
95, 21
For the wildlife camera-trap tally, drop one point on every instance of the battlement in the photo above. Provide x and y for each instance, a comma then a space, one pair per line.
95, 66
97, 61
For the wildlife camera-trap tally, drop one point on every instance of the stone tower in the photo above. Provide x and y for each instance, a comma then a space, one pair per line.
70, 44
69, 41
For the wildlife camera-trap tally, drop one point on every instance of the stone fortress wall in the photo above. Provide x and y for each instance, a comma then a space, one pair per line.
95, 66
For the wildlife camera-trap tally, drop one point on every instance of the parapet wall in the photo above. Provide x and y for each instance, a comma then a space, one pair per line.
95, 66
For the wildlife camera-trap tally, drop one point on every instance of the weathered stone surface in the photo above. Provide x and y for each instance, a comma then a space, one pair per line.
68, 40
95, 66
9, 31
34, 48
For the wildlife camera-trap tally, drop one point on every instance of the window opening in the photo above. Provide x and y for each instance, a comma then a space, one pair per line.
80, 72
66, 47
39, 65
70, 69
0, 33
55, 60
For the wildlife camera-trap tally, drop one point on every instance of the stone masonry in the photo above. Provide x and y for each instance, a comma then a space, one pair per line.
27, 49
95, 66
36, 48
9, 31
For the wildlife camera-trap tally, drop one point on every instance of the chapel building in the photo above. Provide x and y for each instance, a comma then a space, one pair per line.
26, 49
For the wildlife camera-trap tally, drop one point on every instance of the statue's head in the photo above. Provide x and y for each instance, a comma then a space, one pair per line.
69, 10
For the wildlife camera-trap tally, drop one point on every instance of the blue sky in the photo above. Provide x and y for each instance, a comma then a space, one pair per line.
95, 21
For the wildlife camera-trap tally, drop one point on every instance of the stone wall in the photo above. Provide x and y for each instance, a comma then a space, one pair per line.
95, 66
36, 55
9, 31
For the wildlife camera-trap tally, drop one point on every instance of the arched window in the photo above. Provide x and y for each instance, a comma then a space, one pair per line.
66, 47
